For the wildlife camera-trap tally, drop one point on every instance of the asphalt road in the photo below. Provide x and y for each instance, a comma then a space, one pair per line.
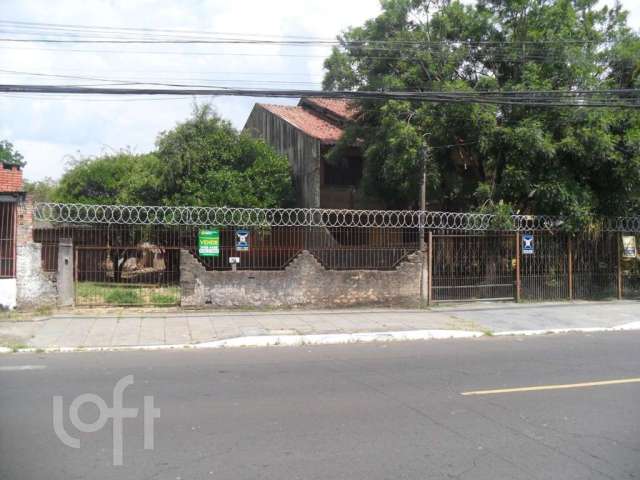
356, 412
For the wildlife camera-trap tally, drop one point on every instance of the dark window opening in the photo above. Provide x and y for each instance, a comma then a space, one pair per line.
344, 173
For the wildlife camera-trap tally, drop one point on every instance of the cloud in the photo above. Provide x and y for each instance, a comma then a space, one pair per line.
45, 129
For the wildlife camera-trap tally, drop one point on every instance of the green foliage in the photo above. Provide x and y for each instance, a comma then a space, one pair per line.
122, 296
163, 299
575, 162
41, 190
120, 178
202, 161
9, 155
206, 162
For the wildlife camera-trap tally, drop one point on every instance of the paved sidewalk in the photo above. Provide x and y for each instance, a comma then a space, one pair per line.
161, 328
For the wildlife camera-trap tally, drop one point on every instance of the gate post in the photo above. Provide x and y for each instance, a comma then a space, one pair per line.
517, 267
570, 265
65, 277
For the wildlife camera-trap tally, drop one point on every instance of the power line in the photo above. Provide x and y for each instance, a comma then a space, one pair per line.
579, 98
145, 82
160, 36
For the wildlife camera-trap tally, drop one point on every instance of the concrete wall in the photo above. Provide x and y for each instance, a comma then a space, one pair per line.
305, 282
35, 287
302, 151
7, 293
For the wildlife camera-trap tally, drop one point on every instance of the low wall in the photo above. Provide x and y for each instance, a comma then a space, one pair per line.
304, 282
35, 288
8, 293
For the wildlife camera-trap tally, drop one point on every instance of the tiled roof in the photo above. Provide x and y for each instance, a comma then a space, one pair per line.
307, 122
340, 107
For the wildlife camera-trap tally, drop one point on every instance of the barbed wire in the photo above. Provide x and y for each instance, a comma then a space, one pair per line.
301, 217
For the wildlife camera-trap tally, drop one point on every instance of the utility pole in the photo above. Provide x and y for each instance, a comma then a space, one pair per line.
423, 193
425, 272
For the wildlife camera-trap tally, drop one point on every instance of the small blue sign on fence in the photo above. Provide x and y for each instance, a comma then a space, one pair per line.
242, 240
527, 244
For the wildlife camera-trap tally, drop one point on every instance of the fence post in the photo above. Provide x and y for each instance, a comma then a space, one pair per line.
430, 268
65, 277
517, 267
619, 248
570, 265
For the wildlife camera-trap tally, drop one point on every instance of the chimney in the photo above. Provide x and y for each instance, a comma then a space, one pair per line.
10, 178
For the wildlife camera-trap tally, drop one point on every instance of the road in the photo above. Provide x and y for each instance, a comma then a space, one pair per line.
372, 411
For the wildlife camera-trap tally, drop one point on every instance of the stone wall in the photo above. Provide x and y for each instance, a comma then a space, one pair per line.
305, 282
34, 287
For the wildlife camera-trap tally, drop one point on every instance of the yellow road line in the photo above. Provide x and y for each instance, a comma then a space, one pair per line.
553, 387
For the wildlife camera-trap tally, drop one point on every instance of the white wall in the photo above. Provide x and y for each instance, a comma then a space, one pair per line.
8, 293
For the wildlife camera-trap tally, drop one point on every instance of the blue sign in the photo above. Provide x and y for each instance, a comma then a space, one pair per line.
527, 244
242, 240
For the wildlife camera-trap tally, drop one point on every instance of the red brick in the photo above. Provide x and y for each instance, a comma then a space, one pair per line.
10, 179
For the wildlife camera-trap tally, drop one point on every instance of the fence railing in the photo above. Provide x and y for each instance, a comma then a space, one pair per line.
127, 246
302, 217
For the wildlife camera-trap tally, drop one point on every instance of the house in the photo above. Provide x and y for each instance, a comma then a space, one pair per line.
305, 133
10, 196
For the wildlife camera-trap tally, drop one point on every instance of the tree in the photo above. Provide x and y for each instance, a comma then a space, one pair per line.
41, 190
205, 161
576, 162
9, 155
120, 178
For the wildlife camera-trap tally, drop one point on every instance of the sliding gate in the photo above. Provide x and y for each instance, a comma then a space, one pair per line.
473, 267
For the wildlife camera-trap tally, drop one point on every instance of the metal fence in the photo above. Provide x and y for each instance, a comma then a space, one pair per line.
7, 240
129, 248
472, 266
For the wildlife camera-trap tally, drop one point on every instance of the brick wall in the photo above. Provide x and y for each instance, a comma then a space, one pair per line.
10, 178
305, 282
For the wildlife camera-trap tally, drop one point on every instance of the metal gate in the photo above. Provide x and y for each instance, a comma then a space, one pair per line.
473, 267
127, 276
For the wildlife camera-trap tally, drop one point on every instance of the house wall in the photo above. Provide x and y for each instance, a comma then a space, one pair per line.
302, 151
305, 282
7, 293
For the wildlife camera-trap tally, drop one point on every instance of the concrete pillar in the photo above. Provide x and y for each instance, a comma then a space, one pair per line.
64, 278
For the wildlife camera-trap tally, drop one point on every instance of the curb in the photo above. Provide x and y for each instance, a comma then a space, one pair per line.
326, 339
617, 328
273, 341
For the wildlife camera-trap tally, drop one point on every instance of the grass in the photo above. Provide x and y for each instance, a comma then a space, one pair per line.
162, 299
94, 293
121, 296
25, 315
15, 347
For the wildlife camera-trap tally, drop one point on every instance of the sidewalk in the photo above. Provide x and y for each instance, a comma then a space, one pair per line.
193, 328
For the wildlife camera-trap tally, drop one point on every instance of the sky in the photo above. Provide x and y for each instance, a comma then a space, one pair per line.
50, 131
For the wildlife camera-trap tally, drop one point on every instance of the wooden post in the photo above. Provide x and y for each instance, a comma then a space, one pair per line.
570, 265
619, 248
430, 269
517, 267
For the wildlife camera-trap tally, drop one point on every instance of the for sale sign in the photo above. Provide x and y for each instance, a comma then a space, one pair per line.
209, 243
